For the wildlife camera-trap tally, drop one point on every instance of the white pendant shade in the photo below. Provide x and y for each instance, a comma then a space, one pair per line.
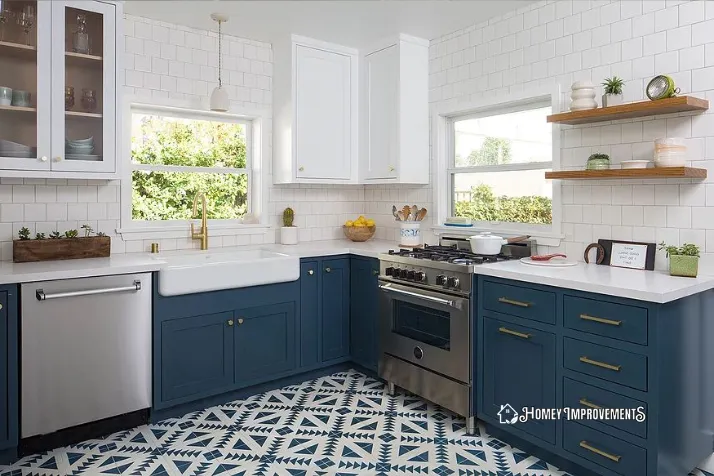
219, 100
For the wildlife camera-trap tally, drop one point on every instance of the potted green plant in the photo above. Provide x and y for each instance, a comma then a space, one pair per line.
613, 91
598, 162
288, 232
683, 260
56, 245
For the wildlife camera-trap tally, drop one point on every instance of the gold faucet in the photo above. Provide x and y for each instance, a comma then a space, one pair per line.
203, 235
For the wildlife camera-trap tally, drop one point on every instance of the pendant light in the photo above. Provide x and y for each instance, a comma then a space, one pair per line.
219, 97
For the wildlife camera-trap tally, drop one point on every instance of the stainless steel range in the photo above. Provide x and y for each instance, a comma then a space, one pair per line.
427, 322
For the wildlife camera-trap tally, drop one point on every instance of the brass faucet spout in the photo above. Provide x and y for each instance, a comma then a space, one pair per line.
203, 234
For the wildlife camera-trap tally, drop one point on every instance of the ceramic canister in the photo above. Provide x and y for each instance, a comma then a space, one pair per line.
582, 95
409, 233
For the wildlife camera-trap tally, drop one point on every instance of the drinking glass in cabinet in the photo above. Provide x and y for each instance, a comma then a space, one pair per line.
80, 39
26, 19
89, 99
5, 16
68, 98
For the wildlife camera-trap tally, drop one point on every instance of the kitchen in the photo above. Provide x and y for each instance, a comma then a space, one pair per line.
233, 350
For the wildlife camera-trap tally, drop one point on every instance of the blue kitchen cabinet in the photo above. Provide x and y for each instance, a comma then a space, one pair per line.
364, 310
264, 342
335, 298
9, 366
197, 355
518, 372
309, 313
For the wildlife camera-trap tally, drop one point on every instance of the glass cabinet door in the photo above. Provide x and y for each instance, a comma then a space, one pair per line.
83, 105
25, 78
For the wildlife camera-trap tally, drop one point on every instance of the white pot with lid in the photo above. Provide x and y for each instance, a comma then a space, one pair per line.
487, 244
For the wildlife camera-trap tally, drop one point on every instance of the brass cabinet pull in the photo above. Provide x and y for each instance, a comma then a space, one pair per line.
597, 363
240, 321
604, 454
601, 320
328, 270
310, 272
505, 330
230, 322
584, 402
505, 300
301, 169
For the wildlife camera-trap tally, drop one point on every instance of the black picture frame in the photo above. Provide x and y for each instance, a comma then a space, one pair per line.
649, 257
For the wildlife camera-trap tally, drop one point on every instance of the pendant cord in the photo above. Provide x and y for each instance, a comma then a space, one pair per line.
220, 83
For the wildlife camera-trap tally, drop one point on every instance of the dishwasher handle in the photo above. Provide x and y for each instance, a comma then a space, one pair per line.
41, 296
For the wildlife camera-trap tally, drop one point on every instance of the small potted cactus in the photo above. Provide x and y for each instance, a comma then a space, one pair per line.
288, 232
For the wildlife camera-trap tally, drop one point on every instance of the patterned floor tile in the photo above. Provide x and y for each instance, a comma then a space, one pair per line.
340, 424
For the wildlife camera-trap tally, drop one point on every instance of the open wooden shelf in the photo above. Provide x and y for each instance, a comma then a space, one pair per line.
657, 172
82, 114
631, 110
82, 59
17, 50
18, 108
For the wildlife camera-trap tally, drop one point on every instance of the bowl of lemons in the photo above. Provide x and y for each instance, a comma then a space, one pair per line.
361, 229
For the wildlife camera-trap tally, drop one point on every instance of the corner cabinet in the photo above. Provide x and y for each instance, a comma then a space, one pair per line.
315, 113
364, 310
395, 112
62, 119
9, 374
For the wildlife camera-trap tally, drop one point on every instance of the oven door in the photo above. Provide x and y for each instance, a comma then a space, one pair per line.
427, 328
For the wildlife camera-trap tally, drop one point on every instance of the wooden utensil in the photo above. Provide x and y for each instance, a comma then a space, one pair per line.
406, 211
400, 215
394, 211
421, 214
414, 212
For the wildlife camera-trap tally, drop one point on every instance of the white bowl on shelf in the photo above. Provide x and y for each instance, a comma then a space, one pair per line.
634, 164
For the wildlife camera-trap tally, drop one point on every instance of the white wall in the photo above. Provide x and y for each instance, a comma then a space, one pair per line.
171, 62
567, 40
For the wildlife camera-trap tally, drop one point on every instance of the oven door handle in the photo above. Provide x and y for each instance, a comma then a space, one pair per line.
445, 302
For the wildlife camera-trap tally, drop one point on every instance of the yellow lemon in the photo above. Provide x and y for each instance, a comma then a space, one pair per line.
370, 222
349, 223
360, 224
361, 218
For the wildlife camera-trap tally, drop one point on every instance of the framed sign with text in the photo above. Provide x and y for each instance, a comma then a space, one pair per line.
629, 254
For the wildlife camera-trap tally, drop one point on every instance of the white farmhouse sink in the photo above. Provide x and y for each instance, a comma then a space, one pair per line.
196, 272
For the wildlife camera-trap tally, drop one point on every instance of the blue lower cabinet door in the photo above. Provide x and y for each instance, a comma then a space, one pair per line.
519, 371
309, 313
265, 342
364, 296
5, 386
196, 356
335, 309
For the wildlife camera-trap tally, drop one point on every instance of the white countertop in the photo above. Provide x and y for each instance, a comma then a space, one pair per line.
651, 286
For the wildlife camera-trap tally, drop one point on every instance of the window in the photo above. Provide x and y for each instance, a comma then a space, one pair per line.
497, 164
176, 154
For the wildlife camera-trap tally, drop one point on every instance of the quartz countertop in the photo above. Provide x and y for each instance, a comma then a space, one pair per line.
650, 286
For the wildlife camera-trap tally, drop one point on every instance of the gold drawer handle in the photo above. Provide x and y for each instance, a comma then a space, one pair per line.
584, 402
601, 320
505, 300
505, 330
597, 363
604, 454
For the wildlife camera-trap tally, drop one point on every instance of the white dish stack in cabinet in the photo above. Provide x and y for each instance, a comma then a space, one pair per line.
316, 118
45, 62
395, 112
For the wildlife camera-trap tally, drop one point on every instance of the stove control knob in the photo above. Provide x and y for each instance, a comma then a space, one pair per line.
389, 271
403, 273
411, 275
419, 277
395, 272
452, 282
441, 280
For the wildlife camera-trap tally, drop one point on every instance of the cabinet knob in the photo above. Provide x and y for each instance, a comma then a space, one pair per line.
310, 272
391, 168
375, 272
43, 158
230, 322
58, 158
240, 321
0, 306
328, 270
301, 169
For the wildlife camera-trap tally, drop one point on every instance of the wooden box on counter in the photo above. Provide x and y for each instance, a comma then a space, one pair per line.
24, 251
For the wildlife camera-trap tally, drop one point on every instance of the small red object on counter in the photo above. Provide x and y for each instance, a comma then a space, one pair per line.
547, 257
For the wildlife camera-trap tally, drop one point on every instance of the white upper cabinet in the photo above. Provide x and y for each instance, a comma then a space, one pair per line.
316, 117
60, 59
395, 112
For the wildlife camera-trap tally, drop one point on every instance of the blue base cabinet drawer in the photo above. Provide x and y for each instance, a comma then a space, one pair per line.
607, 319
612, 453
581, 395
608, 363
519, 301
264, 341
519, 371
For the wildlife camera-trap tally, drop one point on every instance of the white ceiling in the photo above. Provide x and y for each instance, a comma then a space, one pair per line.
355, 23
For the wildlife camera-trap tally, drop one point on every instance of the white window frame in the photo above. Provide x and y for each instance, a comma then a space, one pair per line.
257, 144
444, 167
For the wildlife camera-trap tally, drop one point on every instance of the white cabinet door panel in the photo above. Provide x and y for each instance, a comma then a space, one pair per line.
383, 107
322, 114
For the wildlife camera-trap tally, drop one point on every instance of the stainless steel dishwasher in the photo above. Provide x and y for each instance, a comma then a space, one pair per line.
86, 351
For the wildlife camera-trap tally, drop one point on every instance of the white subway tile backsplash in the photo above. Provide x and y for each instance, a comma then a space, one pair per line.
655, 216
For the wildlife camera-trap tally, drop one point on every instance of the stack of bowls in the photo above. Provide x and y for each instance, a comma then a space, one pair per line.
15, 150
670, 152
79, 147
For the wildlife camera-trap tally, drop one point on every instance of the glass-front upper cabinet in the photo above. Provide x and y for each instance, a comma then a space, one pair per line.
84, 104
25, 78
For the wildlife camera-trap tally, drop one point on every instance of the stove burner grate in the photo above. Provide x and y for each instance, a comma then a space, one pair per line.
448, 254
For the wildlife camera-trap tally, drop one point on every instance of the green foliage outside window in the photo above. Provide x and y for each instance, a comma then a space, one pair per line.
159, 195
486, 206
493, 151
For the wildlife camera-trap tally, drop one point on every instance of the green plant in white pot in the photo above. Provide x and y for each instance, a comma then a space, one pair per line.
613, 91
683, 260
